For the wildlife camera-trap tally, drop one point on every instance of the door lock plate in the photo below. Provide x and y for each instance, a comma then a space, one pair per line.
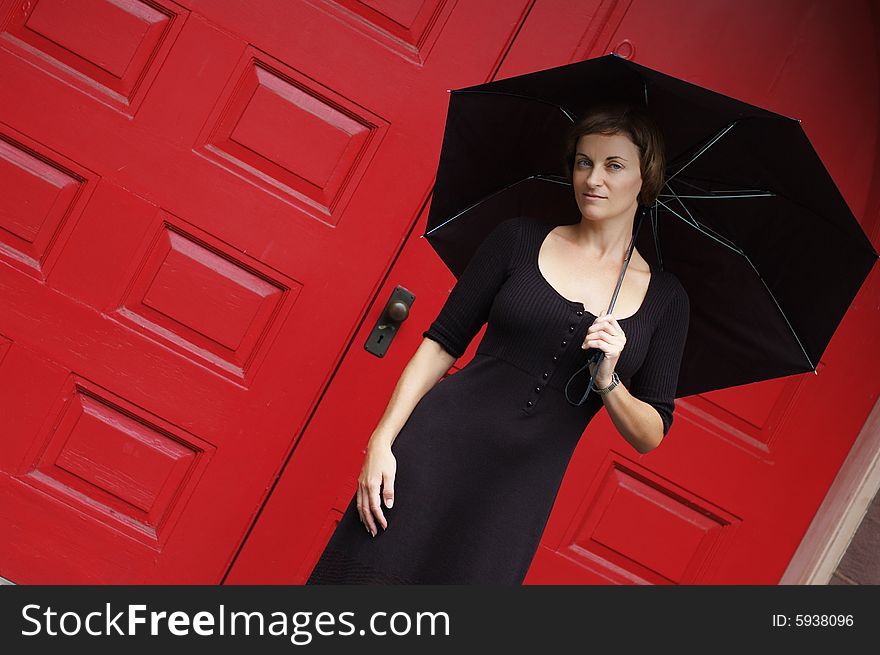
396, 311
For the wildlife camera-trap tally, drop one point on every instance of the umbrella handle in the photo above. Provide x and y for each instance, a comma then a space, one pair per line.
601, 354
598, 357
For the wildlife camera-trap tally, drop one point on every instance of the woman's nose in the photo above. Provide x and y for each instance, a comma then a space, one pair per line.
595, 177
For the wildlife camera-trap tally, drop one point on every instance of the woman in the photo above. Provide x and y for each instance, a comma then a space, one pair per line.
482, 453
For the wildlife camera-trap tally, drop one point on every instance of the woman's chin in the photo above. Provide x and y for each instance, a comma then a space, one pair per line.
590, 213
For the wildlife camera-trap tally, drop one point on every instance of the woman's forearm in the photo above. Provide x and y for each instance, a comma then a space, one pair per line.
637, 421
424, 369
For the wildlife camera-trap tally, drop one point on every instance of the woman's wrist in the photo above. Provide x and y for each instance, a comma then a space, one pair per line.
600, 384
379, 440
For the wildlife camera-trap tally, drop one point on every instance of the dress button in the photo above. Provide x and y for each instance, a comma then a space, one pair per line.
555, 357
571, 328
545, 375
538, 389
579, 313
564, 342
529, 403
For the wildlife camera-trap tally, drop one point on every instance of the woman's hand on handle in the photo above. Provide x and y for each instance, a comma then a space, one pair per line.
605, 334
378, 470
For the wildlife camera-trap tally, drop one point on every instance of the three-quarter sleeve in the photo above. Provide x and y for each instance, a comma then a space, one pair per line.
466, 309
656, 380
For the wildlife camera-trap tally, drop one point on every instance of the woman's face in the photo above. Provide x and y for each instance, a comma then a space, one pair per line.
608, 167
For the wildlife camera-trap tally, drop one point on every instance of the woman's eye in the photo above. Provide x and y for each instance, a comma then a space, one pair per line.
582, 163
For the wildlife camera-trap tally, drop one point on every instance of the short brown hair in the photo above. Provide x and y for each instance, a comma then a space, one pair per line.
639, 126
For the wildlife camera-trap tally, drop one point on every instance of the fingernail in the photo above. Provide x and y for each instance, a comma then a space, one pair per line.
389, 502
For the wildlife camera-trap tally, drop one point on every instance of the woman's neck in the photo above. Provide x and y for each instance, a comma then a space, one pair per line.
604, 241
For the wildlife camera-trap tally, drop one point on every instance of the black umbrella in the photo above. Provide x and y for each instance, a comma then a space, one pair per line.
749, 219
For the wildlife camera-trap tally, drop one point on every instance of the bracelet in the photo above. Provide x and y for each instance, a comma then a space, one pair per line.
614, 382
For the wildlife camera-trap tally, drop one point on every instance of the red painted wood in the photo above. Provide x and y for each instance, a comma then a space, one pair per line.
197, 211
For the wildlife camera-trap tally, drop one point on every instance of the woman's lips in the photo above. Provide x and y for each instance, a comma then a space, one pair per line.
587, 195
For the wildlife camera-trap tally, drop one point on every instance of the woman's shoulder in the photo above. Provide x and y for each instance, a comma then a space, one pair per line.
673, 285
519, 223
532, 228
673, 295
512, 232
509, 226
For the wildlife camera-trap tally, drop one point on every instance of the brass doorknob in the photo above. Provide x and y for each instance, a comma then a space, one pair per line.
398, 310
395, 312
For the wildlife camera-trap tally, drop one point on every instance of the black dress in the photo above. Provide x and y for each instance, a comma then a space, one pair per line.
481, 456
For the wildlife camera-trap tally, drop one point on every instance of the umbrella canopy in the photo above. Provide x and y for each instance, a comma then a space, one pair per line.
749, 219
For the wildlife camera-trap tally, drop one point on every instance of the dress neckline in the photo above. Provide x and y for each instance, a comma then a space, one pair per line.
577, 303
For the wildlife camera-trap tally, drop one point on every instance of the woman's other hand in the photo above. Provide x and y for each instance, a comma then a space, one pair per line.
378, 470
605, 334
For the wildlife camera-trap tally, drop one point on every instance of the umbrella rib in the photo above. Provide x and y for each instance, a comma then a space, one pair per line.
787, 322
693, 222
706, 228
656, 234
793, 200
744, 194
713, 194
701, 228
764, 193
569, 115
556, 179
703, 149
739, 251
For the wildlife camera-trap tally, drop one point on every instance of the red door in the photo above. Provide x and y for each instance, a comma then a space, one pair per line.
204, 215
730, 494
199, 202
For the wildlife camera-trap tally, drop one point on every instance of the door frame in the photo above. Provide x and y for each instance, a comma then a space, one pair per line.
841, 512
